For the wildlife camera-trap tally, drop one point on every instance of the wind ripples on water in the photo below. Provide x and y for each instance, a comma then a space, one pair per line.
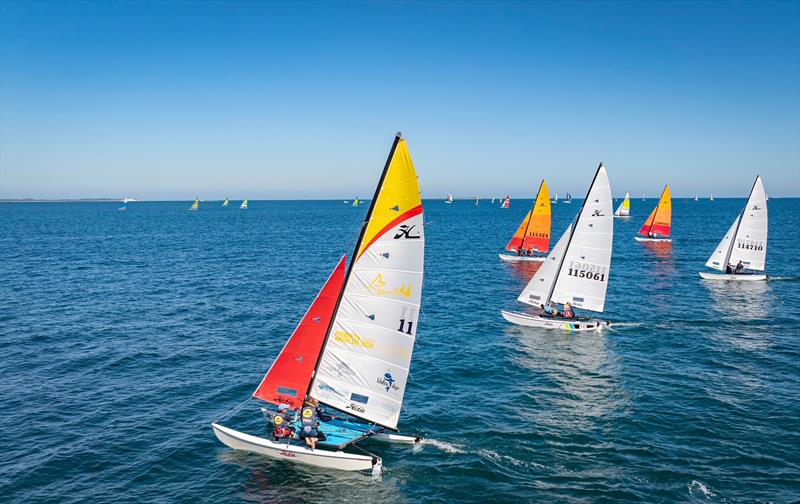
125, 334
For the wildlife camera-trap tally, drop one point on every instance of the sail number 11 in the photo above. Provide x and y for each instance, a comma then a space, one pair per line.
405, 326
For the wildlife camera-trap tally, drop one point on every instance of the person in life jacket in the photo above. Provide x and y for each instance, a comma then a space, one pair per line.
282, 422
309, 425
567, 313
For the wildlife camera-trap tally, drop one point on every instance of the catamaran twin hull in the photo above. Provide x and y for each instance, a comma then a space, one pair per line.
582, 324
647, 239
741, 277
521, 258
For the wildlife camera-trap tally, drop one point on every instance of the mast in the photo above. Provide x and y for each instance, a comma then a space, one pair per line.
533, 208
353, 258
739, 223
571, 234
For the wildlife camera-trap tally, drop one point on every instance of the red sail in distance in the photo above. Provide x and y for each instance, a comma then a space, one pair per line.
287, 380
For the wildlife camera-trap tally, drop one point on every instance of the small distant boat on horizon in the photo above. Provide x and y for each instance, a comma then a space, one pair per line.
624, 208
554, 200
568, 198
711, 197
477, 201
507, 202
532, 238
243, 206
658, 225
124, 205
745, 241
355, 201
695, 198
226, 202
449, 198
196, 205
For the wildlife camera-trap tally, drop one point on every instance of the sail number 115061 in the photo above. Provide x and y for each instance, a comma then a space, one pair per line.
587, 271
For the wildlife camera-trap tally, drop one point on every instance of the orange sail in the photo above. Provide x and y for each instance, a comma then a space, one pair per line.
534, 232
659, 223
287, 380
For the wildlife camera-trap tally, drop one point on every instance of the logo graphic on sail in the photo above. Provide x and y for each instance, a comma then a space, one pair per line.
405, 232
378, 287
388, 381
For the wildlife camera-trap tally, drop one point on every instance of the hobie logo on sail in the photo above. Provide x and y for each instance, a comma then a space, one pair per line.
405, 232
378, 287
353, 339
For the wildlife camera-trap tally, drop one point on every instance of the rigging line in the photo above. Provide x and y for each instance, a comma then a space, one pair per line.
235, 408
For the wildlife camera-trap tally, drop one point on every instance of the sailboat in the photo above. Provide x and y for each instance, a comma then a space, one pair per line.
554, 200
624, 208
711, 197
243, 206
226, 202
124, 205
576, 270
348, 352
355, 201
449, 198
643, 197
533, 235
506, 202
695, 198
477, 201
196, 205
568, 198
492, 201
658, 225
745, 241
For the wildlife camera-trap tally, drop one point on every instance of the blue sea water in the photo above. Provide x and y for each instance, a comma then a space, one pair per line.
125, 334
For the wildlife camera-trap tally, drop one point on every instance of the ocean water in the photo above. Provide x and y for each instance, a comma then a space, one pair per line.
125, 334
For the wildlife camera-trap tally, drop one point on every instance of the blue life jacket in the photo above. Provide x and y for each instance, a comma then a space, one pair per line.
309, 422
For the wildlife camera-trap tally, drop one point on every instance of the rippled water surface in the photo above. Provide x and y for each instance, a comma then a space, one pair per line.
125, 334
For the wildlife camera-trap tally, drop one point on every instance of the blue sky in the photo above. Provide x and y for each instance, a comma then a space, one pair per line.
267, 100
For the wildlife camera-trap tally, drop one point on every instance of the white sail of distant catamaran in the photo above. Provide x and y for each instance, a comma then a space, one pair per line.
711, 197
352, 350
624, 208
449, 198
576, 270
554, 200
568, 199
745, 242
226, 202
695, 198
243, 205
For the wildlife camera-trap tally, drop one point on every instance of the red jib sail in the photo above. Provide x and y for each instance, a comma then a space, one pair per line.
287, 380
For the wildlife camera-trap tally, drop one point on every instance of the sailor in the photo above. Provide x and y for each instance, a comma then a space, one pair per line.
282, 422
548, 310
739, 267
567, 313
520, 251
728, 269
309, 425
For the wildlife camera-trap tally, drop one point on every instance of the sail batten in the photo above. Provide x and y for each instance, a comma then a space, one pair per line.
365, 360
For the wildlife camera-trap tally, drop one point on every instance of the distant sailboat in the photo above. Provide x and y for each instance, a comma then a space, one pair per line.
533, 235
124, 205
624, 208
347, 352
568, 199
196, 205
745, 241
506, 202
695, 198
577, 269
477, 201
226, 202
355, 201
449, 198
243, 205
658, 225
492, 201
643, 197
554, 200
711, 197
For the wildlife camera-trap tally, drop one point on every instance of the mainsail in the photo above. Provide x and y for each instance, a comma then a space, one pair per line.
746, 240
244, 204
577, 269
195, 205
366, 356
624, 208
534, 232
506, 202
226, 202
287, 380
660, 220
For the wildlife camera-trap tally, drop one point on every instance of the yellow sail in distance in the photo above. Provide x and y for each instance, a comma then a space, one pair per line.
534, 232
398, 198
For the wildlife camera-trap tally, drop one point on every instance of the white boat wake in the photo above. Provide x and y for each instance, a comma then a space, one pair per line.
442, 445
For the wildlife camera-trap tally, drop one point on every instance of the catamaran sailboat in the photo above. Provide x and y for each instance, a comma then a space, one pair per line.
196, 205
226, 202
356, 201
568, 198
711, 197
506, 202
745, 241
348, 352
554, 200
243, 206
695, 198
577, 269
533, 235
124, 205
658, 225
449, 198
624, 208
477, 201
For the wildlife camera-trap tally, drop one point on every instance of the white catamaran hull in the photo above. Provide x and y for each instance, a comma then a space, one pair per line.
742, 277
645, 239
292, 453
516, 258
524, 319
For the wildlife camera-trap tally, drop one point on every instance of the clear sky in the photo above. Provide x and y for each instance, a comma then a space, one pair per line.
302, 100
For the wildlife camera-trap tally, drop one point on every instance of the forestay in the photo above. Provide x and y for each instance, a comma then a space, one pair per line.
577, 269
746, 240
367, 353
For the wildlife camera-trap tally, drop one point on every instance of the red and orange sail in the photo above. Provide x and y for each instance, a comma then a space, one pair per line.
287, 380
660, 220
534, 232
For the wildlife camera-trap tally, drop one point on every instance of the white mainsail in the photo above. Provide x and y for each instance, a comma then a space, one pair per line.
364, 365
746, 240
577, 269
